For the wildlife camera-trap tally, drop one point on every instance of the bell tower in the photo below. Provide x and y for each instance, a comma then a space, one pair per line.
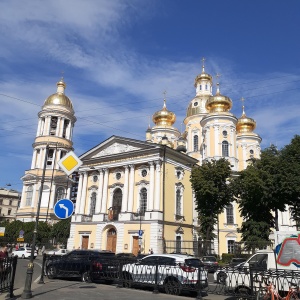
53, 140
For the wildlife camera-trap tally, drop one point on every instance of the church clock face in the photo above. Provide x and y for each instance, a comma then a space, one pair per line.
118, 176
144, 173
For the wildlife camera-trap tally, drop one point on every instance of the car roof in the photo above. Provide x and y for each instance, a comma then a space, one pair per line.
171, 255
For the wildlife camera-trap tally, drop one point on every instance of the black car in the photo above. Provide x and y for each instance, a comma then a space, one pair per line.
210, 263
77, 264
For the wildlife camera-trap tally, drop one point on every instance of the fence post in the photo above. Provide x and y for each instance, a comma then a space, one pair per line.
12, 278
120, 281
41, 281
251, 282
199, 292
155, 291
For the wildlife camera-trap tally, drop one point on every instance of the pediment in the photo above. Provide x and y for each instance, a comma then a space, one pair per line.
29, 177
116, 148
116, 145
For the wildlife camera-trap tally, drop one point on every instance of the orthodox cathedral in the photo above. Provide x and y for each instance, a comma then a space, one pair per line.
135, 195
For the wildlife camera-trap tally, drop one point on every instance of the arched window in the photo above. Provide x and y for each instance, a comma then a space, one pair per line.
225, 152
143, 201
93, 203
178, 202
196, 143
29, 194
229, 214
60, 192
117, 203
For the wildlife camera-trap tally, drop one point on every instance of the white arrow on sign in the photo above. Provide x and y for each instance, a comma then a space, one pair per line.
65, 208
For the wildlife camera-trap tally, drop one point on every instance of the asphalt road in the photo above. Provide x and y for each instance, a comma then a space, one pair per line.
22, 270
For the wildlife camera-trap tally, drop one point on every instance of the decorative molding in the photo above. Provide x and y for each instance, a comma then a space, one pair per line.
116, 148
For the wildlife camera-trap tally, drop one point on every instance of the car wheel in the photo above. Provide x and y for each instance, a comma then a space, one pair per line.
51, 272
109, 281
172, 286
127, 280
85, 277
221, 278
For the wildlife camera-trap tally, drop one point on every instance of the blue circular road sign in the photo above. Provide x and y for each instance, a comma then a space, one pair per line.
64, 208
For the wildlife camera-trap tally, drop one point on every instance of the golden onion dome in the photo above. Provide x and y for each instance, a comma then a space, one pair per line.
218, 103
202, 76
164, 117
59, 98
245, 124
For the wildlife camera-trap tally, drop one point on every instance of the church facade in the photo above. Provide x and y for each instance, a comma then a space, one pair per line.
135, 195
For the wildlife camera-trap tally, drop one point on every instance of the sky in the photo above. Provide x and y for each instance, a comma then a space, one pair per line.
117, 58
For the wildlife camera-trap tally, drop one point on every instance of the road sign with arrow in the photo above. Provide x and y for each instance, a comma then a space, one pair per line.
64, 208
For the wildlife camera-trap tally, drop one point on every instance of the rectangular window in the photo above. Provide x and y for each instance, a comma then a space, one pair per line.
9, 212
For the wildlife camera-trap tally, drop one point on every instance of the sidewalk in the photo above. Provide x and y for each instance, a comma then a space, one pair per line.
71, 290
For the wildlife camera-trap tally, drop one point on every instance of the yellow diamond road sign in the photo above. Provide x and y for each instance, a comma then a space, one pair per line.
70, 163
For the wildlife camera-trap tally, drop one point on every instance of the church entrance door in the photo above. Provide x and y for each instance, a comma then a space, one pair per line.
111, 240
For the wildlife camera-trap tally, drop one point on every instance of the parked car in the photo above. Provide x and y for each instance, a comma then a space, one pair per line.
210, 263
76, 264
23, 252
57, 252
175, 272
125, 255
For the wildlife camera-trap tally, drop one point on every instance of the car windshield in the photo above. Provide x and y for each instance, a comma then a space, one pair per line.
193, 262
209, 258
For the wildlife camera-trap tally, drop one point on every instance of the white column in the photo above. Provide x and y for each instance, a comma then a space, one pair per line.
157, 187
100, 192
59, 119
68, 132
232, 143
42, 126
34, 196
131, 188
38, 128
189, 140
52, 198
23, 197
79, 192
47, 125
42, 157
83, 194
208, 148
217, 140
151, 187
33, 159
125, 195
105, 187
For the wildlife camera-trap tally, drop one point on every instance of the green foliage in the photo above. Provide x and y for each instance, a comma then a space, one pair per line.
290, 161
212, 193
255, 235
61, 231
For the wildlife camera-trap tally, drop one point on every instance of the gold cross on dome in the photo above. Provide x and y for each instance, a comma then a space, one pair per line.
165, 93
62, 74
203, 60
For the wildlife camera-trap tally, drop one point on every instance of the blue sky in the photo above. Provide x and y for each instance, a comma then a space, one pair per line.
119, 56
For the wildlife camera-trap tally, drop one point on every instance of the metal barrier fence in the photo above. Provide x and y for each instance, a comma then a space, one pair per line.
7, 275
172, 278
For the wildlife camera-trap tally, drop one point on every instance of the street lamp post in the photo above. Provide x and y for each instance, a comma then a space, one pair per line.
27, 293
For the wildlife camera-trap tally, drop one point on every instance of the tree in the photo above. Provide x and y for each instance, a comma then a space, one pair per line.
61, 230
212, 194
260, 194
290, 162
